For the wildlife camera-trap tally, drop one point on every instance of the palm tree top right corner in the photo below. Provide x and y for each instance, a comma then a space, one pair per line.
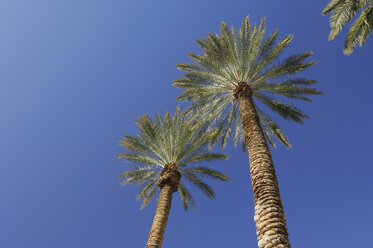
343, 11
245, 58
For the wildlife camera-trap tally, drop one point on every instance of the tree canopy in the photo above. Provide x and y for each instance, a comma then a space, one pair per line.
176, 140
246, 57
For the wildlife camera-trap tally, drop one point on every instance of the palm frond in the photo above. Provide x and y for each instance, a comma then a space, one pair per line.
147, 192
195, 180
290, 88
139, 175
341, 14
360, 30
288, 66
139, 158
268, 56
228, 121
285, 110
271, 128
343, 11
207, 172
330, 6
186, 197
205, 157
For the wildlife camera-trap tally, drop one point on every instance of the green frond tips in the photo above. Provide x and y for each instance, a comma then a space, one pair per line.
170, 139
290, 88
208, 172
246, 55
271, 128
343, 11
330, 6
359, 31
186, 197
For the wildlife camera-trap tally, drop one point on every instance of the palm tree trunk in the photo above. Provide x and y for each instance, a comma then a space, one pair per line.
269, 213
160, 219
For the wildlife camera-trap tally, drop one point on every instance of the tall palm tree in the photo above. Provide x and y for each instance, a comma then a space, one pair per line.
165, 148
222, 83
342, 11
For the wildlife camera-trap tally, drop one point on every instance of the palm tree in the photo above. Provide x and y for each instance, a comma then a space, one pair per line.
342, 11
222, 83
165, 148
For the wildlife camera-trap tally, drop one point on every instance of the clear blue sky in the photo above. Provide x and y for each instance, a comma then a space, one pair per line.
75, 74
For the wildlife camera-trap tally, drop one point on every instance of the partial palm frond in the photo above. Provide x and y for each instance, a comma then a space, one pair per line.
360, 30
147, 192
205, 157
290, 88
286, 110
271, 128
331, 5
343, 11
139, 175
208, 172
186, 197
195, 180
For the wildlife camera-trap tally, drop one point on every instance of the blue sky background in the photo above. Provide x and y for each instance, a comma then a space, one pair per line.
75, 74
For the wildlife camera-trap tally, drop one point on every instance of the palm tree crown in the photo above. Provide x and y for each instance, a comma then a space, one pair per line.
342, 11
170, 142
233, 60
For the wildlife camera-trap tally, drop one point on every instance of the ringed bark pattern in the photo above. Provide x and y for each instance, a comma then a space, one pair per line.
168, 183
269, 213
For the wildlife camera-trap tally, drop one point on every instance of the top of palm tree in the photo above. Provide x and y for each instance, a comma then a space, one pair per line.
175, 141
342, 11
244, 57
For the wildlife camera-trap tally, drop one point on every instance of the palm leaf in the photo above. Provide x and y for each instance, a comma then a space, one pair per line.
343, 11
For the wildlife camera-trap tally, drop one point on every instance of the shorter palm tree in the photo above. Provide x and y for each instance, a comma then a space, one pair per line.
165, 148
342, 11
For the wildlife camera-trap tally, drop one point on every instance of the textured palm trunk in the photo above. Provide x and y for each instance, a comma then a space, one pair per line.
269, 213
168, 183
160, 219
